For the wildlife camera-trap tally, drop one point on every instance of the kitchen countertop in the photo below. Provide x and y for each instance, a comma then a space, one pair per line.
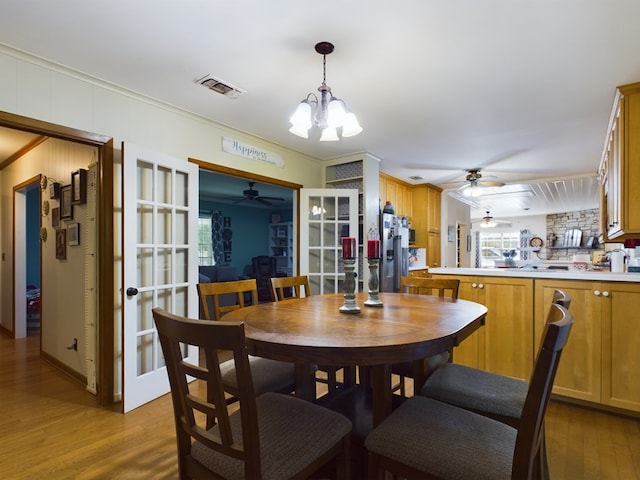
541, 273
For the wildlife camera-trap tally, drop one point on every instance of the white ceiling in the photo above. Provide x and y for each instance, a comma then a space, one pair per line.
520, 89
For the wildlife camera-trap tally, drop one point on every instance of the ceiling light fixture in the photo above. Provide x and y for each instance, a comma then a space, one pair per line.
474, 190
330, 112
489, 223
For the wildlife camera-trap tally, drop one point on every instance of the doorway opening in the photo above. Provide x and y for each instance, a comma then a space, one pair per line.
27, 262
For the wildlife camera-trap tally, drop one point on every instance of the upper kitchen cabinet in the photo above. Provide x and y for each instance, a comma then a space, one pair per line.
620, 168
399, 193
426, 220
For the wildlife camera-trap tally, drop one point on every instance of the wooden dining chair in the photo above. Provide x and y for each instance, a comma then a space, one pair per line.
430, 286
218, 298
290, 287
271, 436
423, 286
427, 438
496, 396
298, 287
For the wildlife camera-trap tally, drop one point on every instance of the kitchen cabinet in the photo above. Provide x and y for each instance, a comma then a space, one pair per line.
579, 372
434, 249
505, 344
398, 193
619, 169
423, 273
602, 358
426, 221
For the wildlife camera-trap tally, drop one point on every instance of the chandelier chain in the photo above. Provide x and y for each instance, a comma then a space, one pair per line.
324, 70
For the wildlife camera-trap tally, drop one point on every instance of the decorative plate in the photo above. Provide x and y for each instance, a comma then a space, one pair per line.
536, 242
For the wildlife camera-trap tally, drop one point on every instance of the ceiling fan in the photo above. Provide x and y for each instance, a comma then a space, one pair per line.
489, 222
253, 195
475, 183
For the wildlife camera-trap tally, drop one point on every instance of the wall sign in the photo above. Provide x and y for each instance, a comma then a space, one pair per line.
240, 149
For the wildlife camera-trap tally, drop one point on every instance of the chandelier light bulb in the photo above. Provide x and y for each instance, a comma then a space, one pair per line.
335, 113
329, 134
350, 127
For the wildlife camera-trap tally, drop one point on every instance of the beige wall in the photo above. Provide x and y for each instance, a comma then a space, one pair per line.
37, 89
62, 284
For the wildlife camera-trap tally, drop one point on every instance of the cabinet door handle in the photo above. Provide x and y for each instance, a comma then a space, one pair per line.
474, 285
596, 293
605, 294
481, 286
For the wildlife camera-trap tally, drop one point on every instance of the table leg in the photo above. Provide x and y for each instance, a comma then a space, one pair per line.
381, 392
305, 378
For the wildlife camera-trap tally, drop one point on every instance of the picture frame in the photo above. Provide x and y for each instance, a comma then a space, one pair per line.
73, 234
61, 244
66, 207
451, 233
54, 190
79, 187
275, 218
55, 217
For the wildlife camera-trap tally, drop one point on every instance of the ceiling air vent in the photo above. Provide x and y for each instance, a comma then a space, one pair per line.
220, 86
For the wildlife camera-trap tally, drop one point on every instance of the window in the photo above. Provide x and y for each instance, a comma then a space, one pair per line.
205, 242
493, 246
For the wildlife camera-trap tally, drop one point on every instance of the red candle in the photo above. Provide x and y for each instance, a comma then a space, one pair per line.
373, 248
348, 247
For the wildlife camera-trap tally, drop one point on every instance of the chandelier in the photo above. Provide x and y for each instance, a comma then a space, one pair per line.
330, 112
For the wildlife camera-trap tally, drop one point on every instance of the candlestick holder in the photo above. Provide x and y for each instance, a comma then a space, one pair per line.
349, 287
374, 283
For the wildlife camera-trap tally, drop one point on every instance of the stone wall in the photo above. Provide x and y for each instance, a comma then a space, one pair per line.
557, 224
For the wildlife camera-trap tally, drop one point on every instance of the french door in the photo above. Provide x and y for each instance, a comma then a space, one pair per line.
326, 215
160, 249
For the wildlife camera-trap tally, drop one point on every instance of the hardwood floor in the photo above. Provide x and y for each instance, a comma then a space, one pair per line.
51, 428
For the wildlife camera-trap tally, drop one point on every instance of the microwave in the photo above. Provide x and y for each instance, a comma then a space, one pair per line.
412, 236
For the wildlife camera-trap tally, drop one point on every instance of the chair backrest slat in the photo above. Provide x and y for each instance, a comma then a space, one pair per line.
297, 284
232, 291
430, 286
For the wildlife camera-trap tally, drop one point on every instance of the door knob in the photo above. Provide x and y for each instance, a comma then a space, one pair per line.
132, 292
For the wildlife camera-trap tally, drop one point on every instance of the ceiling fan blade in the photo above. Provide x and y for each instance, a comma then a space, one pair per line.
490, 183
273, 198
263, 201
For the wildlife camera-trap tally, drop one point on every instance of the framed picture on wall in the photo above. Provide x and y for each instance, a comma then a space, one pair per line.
79, 187
55, 217
61, 244
66, 208
73, 233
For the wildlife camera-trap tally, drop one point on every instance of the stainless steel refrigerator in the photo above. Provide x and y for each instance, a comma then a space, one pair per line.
394, 250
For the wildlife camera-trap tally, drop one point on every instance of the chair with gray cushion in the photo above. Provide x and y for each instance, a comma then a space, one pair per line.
422, 369
268, 375
271, 437
490, 394
426, 438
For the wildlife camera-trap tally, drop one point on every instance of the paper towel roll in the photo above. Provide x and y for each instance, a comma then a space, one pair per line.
617, 262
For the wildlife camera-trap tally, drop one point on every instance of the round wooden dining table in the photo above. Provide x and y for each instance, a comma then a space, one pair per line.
312, 331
